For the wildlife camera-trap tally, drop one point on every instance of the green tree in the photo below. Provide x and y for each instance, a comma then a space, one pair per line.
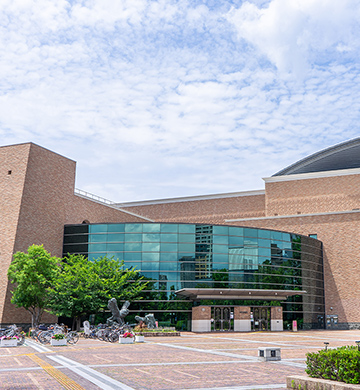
221, 278
33, 274
84, 287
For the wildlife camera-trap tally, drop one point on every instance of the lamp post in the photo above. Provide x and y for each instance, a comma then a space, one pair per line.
326, 345
358, 344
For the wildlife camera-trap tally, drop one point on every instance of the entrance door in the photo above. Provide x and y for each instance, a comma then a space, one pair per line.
222, 318
260, 318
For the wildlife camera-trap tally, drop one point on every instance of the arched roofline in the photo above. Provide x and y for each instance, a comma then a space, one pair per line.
345, 155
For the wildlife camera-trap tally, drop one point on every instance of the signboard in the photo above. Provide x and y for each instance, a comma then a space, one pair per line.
294, 326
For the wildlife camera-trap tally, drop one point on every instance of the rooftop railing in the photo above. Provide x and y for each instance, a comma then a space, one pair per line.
97, 198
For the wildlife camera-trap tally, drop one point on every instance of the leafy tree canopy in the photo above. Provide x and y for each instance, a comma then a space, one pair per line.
84, 287
33, 274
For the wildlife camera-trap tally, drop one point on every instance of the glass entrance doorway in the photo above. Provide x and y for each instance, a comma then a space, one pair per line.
222, 318
260, 318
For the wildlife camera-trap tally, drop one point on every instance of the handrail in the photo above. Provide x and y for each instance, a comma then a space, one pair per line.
88, 195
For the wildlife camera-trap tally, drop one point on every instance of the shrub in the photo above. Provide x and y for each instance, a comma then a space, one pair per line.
341, 364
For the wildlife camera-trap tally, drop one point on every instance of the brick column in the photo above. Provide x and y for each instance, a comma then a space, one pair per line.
201, 319
276, 322
242, 319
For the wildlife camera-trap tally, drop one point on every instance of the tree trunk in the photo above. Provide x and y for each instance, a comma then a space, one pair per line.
76, 323
36, 314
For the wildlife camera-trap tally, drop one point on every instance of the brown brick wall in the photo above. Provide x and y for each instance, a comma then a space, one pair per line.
37, 199
316, 195
12, 159
204, 211
276, 312
201, 313
242, 313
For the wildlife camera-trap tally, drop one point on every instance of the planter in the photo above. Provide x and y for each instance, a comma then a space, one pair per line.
126, 340
139, 339
9, 343
58, 343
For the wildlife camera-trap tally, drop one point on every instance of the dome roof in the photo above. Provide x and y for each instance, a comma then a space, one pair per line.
341, 156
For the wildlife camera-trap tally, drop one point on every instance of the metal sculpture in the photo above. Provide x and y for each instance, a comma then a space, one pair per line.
148, 320
117, 315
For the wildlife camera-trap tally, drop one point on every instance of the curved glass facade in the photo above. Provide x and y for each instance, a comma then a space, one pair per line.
177, 256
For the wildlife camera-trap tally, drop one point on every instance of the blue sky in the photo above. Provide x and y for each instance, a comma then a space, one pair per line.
158, 99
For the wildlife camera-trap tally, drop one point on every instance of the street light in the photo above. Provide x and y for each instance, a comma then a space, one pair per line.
326, 345
358, 344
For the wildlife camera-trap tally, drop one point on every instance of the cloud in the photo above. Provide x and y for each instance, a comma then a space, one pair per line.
299, 33
172, 98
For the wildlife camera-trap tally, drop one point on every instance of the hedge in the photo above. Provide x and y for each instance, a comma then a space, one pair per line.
340, 364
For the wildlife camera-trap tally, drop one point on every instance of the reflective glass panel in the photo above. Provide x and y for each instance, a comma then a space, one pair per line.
116, 227
133, 227
151, 247
168, 256
223, 230
186, 237
97, 237
115, 246
97, 247
168, 237
151, 237
248, 232
151, 227
220, 240
132, 246
169, 228
98, 228
133, 237
187, 248
186, 228
236, 241
115, 237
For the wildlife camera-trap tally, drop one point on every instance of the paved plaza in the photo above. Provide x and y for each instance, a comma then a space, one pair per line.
220, 361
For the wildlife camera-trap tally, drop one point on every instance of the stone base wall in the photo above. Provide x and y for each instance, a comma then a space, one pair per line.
276, 325
201, 326
306, 383
242, 325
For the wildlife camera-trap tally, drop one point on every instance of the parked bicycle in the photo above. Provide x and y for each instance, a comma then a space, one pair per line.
45, 336
13, 331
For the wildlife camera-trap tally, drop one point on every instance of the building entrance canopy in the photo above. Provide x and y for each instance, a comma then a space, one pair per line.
196, 294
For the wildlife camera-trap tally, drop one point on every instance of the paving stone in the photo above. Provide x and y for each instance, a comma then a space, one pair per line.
192, 361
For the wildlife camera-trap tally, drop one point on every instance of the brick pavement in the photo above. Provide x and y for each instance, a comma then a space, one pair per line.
221, 361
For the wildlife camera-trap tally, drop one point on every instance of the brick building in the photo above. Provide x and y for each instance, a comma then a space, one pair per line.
304, 226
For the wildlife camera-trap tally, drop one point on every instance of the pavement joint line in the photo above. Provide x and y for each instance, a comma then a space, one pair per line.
37, 347
155, 376
252, 341
56, 374
171, 363
208, 352
249, 358
101, 380
287, 363
20, 369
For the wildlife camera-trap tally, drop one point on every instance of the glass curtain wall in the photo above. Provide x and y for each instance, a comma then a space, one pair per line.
175, 256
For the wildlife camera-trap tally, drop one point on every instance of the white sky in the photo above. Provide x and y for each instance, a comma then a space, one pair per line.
158, 99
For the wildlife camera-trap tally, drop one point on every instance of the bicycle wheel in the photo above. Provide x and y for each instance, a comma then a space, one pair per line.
45, 337
101, 334
113, 337
21, 339
72, 337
